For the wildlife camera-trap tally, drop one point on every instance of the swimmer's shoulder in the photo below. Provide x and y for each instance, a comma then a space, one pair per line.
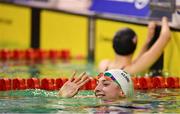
131, 69
103, 65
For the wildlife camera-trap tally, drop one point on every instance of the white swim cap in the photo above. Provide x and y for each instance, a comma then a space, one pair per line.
123, 79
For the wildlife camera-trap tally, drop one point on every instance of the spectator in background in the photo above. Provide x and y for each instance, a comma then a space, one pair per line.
124, 45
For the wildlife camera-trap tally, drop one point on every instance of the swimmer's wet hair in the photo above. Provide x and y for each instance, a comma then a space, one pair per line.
123, 43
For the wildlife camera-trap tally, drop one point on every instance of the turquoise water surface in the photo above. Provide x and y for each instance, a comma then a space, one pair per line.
41, 101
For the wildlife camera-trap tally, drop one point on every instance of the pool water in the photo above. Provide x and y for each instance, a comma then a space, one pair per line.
42, 101
44, 69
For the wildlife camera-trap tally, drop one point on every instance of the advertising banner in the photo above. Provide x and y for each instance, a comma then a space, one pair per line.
138, 8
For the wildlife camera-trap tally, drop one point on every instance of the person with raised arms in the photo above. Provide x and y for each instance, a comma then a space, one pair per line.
124, 45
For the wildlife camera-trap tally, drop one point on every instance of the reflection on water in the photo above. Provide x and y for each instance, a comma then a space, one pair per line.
41, 101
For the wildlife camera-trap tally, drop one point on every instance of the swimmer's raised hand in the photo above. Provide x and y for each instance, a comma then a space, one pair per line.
151, 31
71, 87
165, 30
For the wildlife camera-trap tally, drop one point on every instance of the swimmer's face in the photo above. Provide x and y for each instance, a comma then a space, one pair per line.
107, 89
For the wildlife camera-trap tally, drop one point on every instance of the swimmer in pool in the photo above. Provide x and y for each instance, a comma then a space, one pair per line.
111, 85
124, 45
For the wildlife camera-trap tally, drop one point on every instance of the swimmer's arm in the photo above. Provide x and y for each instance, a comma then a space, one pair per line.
72, 86
150, 34
150, 57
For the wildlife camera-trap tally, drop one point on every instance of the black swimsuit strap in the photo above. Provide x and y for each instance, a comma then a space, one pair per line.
106, 68
122, 68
